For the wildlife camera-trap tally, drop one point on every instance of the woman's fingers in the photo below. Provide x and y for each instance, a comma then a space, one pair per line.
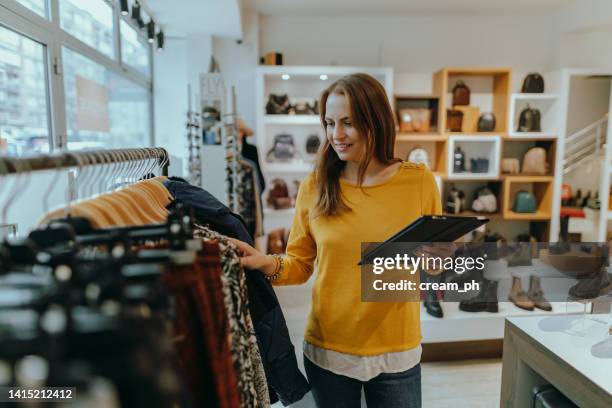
245, 248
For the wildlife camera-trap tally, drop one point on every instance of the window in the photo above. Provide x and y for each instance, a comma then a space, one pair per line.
24, 109
38, 6
89, 21
134, 50
103, 109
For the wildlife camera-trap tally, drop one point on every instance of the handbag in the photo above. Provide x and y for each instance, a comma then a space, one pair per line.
278, 105
283, 148
486, 122
454, 120
278, 195
485, 201
418, 155
524, 202
479, 165
458, 160
529, 120
312, 144
415, 120
277, 244
461, 94
510, 166
534, 161
533, 83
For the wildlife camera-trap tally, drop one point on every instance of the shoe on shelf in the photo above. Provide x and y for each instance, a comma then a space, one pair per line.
520, 257
598, 284
484, 301
518, 296
432, 304
563, 245
537, 295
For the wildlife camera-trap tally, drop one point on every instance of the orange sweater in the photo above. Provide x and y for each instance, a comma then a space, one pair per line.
338, 320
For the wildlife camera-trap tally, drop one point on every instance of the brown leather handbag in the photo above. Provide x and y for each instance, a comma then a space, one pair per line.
278, 195
277, 242
535, 161
461, 94
415, 120
454, 120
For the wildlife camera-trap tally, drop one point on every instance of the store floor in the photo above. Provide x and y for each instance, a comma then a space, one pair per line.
473, 383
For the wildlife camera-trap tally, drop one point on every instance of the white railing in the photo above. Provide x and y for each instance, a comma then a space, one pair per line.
585, 145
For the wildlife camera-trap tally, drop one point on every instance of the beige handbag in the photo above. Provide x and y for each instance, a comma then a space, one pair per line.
510, 166
415, 120
535, 161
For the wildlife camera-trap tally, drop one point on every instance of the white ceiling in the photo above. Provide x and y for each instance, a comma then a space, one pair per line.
181, 17
402, 7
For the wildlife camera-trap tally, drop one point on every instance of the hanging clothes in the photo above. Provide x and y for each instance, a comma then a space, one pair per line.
250, 152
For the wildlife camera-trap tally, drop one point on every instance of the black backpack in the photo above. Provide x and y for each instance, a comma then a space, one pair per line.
486, 123
529, 120
283, 148
278, 105
533, 83
312, 144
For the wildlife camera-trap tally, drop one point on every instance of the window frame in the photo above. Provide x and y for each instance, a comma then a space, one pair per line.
48, 32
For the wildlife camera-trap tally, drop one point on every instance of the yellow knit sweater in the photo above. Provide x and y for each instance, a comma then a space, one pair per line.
338, 320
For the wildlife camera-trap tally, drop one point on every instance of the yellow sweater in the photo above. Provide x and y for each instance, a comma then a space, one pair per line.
338, 320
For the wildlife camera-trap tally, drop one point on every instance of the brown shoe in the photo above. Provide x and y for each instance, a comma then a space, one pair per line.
536, 294
518, 296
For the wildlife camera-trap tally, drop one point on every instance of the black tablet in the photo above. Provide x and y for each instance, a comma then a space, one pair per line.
429, 228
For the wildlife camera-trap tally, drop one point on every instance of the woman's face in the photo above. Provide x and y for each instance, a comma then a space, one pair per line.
346, 141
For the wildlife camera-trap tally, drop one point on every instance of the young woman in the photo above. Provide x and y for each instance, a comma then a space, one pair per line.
358, 193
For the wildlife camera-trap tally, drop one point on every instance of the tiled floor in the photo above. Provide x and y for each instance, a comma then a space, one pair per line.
465, 384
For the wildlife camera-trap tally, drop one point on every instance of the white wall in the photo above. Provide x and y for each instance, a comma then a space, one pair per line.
414, 46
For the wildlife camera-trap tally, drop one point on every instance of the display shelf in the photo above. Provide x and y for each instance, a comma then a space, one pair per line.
457, 325
545, 103
428, 102
420, 137
542, 190
530, 136
292, 120
476, 134
491, 216
289, 167
474, 146
536, 216
525, 178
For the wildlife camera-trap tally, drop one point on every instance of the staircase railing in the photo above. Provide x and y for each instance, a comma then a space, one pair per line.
585, 145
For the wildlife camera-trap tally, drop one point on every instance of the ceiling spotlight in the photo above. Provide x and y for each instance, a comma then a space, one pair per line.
323, 77
125, 9
285, 77
136, 11
151, 31
160, 40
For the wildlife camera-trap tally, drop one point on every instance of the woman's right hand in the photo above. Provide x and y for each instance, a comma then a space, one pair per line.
253, 259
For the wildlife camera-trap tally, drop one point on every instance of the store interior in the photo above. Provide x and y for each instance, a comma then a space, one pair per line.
507, 103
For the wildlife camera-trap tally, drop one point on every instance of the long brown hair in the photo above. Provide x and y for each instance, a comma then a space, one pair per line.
372, 117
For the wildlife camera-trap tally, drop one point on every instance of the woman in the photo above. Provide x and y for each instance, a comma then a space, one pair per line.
358, 193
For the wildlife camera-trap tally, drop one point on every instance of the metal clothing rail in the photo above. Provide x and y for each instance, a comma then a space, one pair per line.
14, 165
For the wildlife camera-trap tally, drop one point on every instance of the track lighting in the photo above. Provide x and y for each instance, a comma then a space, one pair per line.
160, 40
136, 12
125, 9
151, 31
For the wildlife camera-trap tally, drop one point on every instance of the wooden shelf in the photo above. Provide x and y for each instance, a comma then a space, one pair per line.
292, 120
534, 96
536, 216
530, 136
502, 134
526, 178
493, 216
420, 137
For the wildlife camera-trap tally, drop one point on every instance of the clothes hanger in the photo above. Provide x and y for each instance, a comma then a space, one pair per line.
146, 199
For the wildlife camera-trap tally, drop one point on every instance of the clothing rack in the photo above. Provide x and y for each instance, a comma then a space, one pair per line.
14, 165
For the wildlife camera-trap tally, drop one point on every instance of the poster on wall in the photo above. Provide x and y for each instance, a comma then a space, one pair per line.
91, 106
212, 94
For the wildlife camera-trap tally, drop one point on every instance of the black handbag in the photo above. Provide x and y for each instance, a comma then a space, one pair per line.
278, 105
486, 123
479, 165
533, 83
529, 120
312, 144
283, 148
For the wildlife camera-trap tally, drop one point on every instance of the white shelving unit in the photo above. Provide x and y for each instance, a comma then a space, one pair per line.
475, 146
546, 103
300, 83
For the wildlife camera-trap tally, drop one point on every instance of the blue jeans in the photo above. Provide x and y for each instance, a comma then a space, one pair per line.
387, 390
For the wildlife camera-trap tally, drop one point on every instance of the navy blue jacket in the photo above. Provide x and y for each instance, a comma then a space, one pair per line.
285, 381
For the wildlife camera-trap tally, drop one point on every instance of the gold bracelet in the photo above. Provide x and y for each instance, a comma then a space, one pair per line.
278, 268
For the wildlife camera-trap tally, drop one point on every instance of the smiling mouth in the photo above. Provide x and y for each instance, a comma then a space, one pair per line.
342, 146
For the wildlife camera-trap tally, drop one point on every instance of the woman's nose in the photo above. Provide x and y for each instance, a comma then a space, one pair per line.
338, 132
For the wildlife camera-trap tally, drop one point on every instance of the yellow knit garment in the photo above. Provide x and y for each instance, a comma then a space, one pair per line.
338, 320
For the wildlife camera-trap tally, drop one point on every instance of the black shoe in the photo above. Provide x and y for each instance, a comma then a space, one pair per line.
485, 301
599, 284
432, 305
